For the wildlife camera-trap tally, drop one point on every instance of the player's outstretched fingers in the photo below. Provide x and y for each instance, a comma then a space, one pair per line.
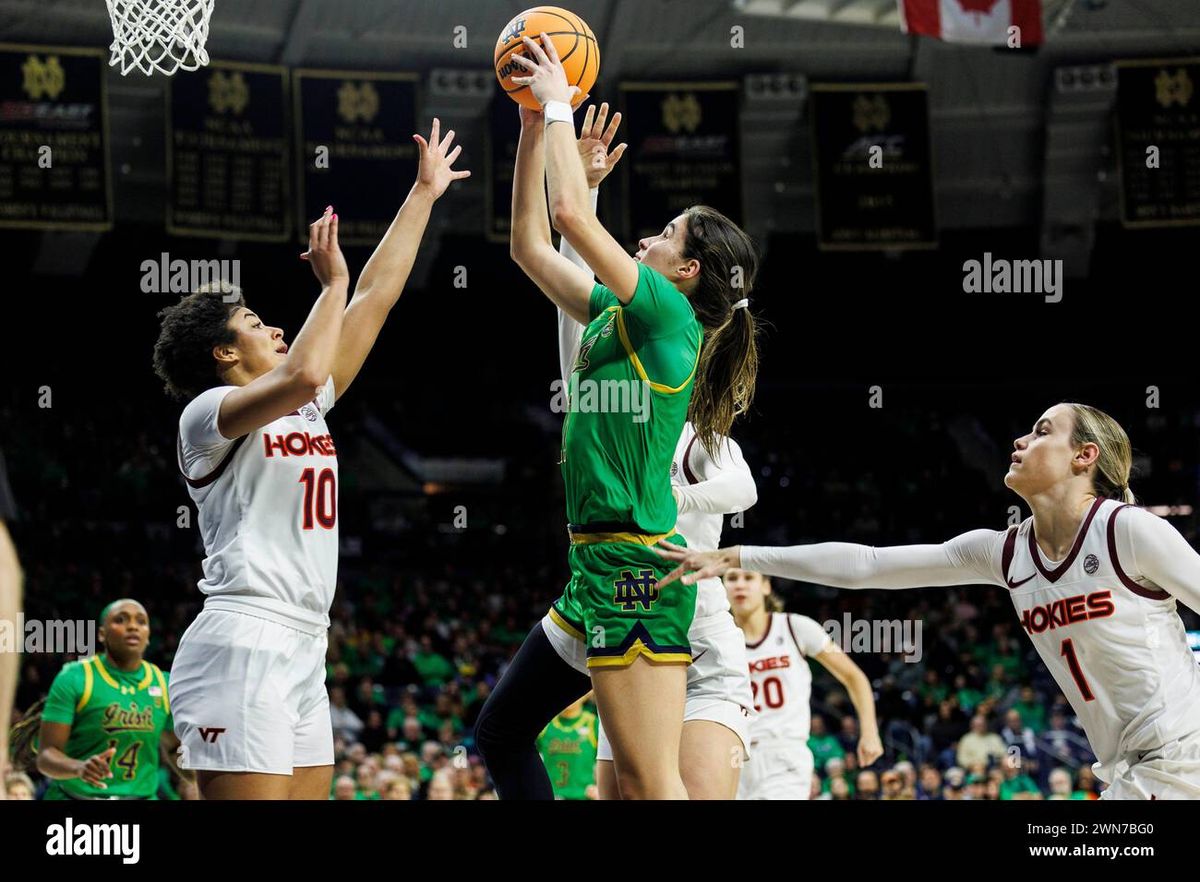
585, 131
435, 134
601, 119
669, 550
611, 131
670, 577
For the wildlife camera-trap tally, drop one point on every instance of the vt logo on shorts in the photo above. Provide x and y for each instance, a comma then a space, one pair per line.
210, 733
630, 590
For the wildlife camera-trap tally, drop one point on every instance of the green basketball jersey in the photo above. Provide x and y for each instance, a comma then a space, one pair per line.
568, 748
627, 401
106, 707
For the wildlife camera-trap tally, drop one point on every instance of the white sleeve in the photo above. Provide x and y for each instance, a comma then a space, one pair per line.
726, 484
810, 637
326, 396
971, 558
201, 445
1156, 552
570, 331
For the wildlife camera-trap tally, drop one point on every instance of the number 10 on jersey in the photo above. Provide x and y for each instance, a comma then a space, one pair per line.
320, 499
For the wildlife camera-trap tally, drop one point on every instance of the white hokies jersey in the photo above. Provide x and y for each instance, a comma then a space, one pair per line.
268, 509
702, 530
1111, 637
1101, 619
781, 679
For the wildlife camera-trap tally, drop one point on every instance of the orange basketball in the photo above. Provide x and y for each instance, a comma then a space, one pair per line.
574, 40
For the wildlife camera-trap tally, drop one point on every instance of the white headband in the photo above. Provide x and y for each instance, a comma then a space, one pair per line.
742, 304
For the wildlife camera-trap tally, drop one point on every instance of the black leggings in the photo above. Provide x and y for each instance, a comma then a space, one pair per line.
537, 686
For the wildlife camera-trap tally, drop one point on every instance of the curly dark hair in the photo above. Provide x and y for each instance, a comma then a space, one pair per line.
190, 329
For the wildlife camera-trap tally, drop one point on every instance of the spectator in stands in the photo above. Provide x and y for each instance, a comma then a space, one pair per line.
441, 786
835, 770
929, 784
866, 785
979, 745
346, 723
18, 785
1060, 784
823, 745
1032, 708
1016, 783
1017, 734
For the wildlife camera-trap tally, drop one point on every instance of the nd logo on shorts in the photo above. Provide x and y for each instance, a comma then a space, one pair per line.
631, 590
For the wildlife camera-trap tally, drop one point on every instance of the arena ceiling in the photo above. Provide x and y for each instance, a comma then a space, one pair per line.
1010, 146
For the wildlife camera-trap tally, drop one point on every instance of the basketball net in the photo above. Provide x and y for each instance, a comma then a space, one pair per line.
162, 35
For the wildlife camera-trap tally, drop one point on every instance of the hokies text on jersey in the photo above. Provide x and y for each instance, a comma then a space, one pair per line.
1067, 611
298, 444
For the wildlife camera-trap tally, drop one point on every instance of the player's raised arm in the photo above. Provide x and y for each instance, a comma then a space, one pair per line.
569, 209
723, 481
595, 138
386, 273
530, 244
309, 361
965, 560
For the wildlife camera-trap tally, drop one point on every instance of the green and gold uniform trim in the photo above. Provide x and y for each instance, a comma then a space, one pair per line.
635, 538
637, 362
147, 675
638, 642
88, 683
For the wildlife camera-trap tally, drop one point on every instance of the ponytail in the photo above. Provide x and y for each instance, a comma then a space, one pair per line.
22, 750
728, 365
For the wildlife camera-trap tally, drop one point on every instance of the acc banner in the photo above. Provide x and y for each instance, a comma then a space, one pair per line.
684, 150
227, 152
355, 149
54, 170
503, 133
874, 185
1158, 139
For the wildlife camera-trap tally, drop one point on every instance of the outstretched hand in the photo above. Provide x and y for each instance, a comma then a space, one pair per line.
324, 253
436, 171
696, 565
594, 141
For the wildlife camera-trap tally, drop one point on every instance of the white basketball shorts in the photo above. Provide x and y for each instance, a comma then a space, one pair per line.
248, 695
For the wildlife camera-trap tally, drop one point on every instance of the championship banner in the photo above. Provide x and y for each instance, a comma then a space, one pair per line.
54, 169
503, 133
227, 153
1158, 141
874, 180
354, 149
684, 150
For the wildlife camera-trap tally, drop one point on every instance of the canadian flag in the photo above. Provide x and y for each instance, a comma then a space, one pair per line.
974, 21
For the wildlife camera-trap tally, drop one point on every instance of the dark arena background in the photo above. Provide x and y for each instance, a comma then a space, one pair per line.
890, 388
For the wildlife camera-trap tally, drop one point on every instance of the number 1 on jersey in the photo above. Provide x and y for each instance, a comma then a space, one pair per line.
1068, 652
320, 498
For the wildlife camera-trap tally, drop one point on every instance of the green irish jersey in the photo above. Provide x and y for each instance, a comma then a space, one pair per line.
106, 707
568, 748
627, 403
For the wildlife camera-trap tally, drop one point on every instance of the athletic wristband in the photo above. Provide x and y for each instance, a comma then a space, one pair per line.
558, 111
